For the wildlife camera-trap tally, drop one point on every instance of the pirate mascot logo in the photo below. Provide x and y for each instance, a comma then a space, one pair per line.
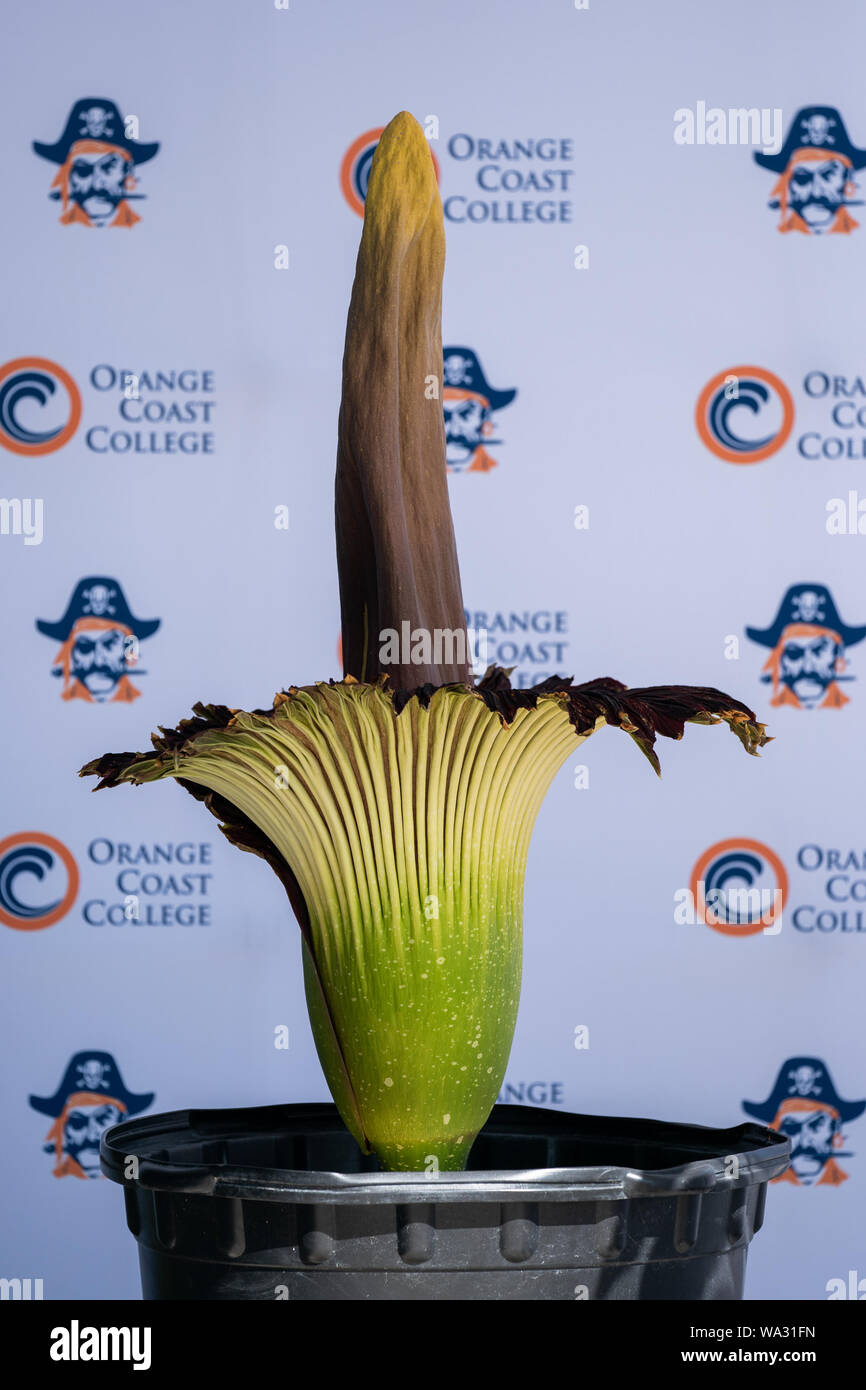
95, 179
469, 401
99, 637
90, 1099
805, 1107
815, 168
808, 641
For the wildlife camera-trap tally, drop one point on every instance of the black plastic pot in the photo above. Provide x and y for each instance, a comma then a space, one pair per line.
278, 1202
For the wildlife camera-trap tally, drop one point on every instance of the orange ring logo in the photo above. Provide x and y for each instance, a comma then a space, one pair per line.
33, 853
738, 859
35, 378
355, 168
751, 387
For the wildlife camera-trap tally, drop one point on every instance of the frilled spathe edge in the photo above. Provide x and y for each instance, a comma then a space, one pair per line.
643, 712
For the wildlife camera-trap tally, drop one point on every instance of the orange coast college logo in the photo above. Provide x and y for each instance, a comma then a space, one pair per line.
40, 406
805, 1106
739, 887
38, 880
468, 401
149, 410
90, 1099
807, 641
745, 414
96, 155
355, 168
100, 639
815, 166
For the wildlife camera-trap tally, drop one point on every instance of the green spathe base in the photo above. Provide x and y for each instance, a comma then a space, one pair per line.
427, 1156
423, 1052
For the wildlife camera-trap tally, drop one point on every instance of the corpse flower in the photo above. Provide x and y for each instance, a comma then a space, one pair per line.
396, 805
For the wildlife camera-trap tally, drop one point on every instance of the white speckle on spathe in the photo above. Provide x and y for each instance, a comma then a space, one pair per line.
389, 1081
424, 977
446, 1119
440, 960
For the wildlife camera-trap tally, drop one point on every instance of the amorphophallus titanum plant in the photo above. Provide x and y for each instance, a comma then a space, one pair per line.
397, 805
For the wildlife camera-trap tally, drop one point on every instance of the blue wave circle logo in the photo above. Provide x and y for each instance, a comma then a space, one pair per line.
40, 406
361, 173
355, 169
745, 414
735, 870
38, 880
740, 887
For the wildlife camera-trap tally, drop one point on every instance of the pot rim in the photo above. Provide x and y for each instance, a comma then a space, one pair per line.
761, 1154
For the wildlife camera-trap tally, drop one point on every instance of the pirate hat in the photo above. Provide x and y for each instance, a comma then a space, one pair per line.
464, 371
805, 1077
95, 118
806, 603
818, 127
98, 597
91, 1071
